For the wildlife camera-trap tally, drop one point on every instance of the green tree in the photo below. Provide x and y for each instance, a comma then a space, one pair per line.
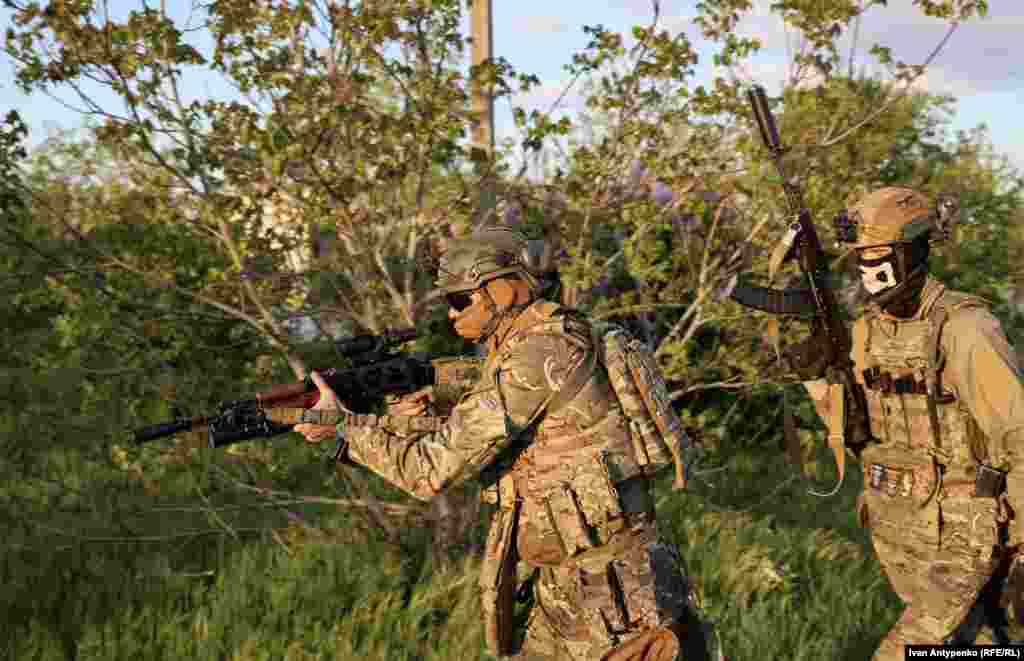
345, 120
349, 122
181, 233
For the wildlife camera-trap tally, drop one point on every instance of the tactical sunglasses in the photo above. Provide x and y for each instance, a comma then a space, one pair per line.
459, 301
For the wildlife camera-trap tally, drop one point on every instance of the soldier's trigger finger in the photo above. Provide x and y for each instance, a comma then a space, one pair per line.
407, 408
413, 403
422, 395
319, 434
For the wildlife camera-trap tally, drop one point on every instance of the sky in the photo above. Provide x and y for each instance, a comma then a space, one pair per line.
979, 66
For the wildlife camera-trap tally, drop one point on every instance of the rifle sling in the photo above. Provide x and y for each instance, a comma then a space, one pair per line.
399, 423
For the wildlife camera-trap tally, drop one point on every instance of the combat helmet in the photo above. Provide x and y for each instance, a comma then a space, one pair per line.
903, 220
894, 215
491, 252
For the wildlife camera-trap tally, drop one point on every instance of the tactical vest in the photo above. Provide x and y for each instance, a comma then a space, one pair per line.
577, 483
894, 363
638, 404
551, 446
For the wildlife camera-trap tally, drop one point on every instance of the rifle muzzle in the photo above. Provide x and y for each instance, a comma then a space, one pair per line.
153, 432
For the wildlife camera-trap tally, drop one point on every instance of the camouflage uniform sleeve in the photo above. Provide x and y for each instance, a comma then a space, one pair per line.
984, 371
424, 464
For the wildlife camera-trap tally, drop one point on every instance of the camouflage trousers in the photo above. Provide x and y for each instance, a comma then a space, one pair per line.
640, 609
995, 619
937, 558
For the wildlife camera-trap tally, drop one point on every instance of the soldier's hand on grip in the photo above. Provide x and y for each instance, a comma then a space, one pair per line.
416, 403
810, 357
328, 401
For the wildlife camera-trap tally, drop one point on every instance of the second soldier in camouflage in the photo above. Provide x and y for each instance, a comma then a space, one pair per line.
946, 403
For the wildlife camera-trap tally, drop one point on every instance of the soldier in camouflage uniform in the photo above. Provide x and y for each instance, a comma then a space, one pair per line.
544, 430
946, 404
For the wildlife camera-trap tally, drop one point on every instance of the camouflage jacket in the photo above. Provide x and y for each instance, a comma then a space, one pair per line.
569, 488
585, 443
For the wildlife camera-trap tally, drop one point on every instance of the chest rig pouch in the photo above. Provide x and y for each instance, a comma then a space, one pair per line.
498, 572
582, 491
917, 361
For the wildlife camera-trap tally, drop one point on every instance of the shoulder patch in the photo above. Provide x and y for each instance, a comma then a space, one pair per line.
489, 402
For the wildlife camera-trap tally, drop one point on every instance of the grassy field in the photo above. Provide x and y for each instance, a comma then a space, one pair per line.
167, 565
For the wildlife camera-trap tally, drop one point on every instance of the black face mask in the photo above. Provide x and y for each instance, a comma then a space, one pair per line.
895, 281
906, 300
879, 275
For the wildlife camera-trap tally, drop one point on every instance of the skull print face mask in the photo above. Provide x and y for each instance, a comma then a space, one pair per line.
878, 274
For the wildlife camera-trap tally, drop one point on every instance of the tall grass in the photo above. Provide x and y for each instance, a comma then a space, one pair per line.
325, 601
150, 555
787, 577
784, 574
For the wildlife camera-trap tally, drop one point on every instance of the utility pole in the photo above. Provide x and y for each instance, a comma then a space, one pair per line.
481, 30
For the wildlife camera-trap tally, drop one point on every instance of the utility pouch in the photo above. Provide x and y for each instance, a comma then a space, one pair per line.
989, 482
1012, 598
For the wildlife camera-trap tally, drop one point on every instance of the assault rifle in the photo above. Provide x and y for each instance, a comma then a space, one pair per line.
801, 241
376, 371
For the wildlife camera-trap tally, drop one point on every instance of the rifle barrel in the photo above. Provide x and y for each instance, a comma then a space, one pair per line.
153, 432
375, 373
765, 121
